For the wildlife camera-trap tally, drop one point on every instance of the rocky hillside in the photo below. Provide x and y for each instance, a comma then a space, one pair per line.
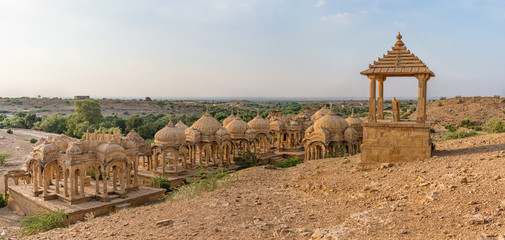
457, 194
477, 109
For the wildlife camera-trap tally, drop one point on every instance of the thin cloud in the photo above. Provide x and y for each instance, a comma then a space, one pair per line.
339, 18
399, 24
320, 3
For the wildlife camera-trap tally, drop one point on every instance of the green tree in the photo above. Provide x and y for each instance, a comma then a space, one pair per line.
30, 120
56, 123
87, 116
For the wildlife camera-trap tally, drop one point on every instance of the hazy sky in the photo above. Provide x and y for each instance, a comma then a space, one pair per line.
249, 48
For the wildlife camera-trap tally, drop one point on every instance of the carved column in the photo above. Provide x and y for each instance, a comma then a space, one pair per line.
371, 102
81, 187
421, 99
380, 98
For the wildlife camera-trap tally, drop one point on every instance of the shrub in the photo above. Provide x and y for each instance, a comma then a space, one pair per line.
204, 180
3, 200
3, 157
162, 182
439, 104
290, 162
465, 122
494, 125
459, 134
443, 98
458, 96
496, 96
469, 124
451, 128
33, 140
247, 160
44, 221
432, 130
338, 152
9, 131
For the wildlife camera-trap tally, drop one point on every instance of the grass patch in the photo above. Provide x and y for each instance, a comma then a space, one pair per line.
9, 131
3, 157
42, 222
346, 161
204, 180
33, 140
459, 134
3, 200
290, 162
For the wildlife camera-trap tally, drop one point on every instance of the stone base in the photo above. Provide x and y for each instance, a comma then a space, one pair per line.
387, 142
22, 200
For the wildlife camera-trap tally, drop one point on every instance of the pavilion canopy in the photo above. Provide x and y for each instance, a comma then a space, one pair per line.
399, 62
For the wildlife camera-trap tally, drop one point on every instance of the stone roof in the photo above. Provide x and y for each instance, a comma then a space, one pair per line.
398, 62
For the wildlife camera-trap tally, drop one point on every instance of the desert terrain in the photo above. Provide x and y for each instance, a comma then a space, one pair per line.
458, 193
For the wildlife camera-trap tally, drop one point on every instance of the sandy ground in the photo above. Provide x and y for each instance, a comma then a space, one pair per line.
18, 144
457, 194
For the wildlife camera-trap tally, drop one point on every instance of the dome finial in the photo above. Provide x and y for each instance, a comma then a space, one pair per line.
258, 110
352, 112
206, 111
238, 114
170, 124
399, 42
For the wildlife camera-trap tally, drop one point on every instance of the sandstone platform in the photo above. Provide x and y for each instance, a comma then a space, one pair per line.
23, 201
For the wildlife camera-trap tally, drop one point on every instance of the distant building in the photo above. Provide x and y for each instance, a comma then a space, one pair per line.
81, 97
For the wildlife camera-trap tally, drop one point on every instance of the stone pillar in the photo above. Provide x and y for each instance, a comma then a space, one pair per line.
35, 180
65, 182
421, 100
57, 180
97, 181
105, 195
72, 184
371, 101
45, 178
81, 187
396, 110
380, 98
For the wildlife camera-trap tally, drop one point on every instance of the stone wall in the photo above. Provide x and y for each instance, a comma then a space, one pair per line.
386, 142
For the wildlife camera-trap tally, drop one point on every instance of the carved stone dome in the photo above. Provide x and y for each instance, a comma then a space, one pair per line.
47, 147
333, 123
319, 114
259, 123
237, 126
228, 120
222, 132
276, 125
73, 149
110, 148
170, 134
350, 134
206, 125
181, 125
353, 121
